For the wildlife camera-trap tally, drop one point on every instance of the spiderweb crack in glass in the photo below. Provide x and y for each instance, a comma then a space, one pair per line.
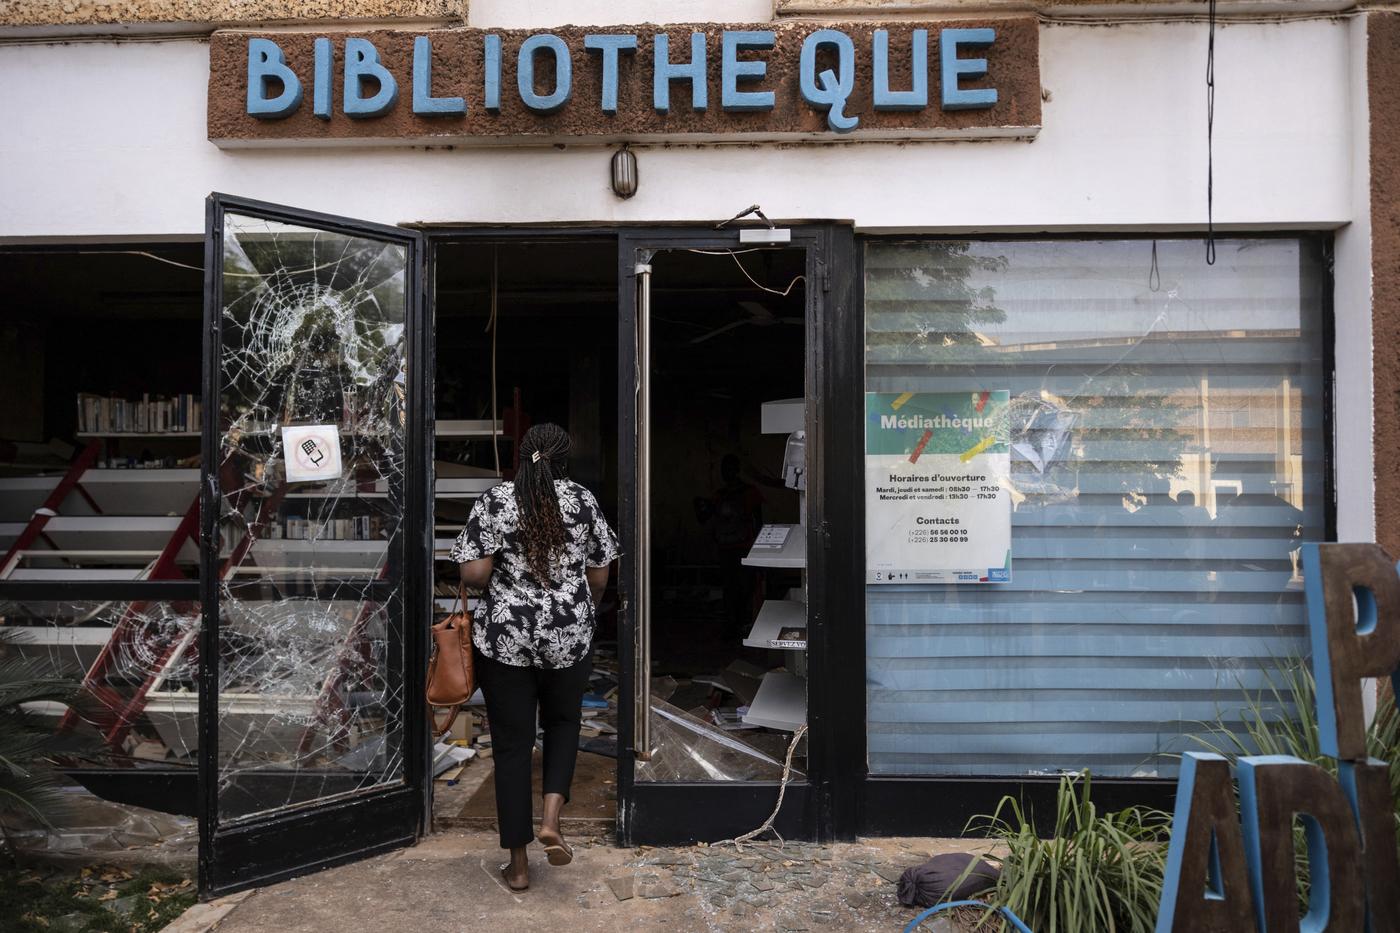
310, 640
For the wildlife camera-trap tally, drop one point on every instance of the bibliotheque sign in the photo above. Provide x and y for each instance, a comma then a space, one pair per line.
955, 78
937, 505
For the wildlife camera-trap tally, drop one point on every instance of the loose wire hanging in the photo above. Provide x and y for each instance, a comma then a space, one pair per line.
1210, 139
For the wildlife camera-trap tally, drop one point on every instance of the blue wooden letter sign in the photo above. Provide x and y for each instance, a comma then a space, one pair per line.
1353, 599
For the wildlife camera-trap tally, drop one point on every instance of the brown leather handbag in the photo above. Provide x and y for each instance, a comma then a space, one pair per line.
451, 676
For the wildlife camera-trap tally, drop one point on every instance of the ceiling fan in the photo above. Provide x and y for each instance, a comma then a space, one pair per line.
758, 315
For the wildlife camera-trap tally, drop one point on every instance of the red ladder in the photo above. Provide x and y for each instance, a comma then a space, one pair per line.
117, 716
35, 527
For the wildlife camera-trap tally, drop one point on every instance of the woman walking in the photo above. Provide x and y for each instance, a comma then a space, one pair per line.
540, 549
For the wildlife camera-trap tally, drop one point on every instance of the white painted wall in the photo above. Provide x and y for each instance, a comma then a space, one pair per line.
1354, 424
108, 139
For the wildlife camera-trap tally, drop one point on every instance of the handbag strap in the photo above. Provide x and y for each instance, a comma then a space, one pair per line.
452, 717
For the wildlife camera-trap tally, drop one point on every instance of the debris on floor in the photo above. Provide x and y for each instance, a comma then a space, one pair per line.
87, 828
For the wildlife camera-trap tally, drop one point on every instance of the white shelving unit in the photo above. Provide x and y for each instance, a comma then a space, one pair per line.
791, 556
324, 555
480, 428
92, 535
783, 416
121, 434
116, 492
74, 647
776, 615
463, 487
781, 701
459, 490
112, 526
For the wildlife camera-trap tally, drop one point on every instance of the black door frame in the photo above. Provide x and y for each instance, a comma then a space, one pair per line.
267, 848
661, 813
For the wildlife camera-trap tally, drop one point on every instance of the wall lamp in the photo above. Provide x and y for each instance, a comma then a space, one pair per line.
624, 172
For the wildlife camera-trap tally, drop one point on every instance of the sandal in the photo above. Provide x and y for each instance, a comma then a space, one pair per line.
506, 878
557, 851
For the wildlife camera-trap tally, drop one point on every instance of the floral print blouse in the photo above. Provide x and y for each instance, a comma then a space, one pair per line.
521, 620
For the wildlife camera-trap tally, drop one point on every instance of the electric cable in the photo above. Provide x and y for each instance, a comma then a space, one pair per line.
734, 254
738, 841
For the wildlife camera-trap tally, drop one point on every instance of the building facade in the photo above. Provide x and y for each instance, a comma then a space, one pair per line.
1041, 356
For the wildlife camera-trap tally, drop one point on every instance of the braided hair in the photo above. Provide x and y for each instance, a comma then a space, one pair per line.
544, 458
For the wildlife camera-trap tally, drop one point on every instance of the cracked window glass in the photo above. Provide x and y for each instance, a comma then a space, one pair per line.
141, 661
310, 472
1167, 456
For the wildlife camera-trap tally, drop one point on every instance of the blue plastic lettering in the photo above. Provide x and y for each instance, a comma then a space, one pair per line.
953, 68
828, 91
321, 80
916, 98
664, 72
362, 62
732, 70
610, 46
424, 103
492, 91
266, 63
563, 74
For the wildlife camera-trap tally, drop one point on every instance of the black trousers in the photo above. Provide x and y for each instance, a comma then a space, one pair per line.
513, 694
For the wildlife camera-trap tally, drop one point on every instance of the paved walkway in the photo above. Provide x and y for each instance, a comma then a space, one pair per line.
449, 883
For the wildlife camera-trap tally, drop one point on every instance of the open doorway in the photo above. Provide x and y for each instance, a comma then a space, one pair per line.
536, 320
525, 333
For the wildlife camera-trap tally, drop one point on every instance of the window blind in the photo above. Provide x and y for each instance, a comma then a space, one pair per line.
1168, 454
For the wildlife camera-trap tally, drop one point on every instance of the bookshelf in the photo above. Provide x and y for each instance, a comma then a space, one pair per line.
158, 416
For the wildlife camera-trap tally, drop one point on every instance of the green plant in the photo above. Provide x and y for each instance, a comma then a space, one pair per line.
27, 779
1098, 871
1281, 719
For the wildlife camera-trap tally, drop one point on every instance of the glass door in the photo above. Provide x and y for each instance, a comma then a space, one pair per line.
314, 560
719, 388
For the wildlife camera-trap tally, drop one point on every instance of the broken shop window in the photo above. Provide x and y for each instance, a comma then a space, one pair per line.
310, 665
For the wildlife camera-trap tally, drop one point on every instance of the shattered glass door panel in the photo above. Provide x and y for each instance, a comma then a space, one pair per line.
311, 476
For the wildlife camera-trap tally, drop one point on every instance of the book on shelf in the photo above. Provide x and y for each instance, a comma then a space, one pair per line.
296, 528
108, 414
790, 637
